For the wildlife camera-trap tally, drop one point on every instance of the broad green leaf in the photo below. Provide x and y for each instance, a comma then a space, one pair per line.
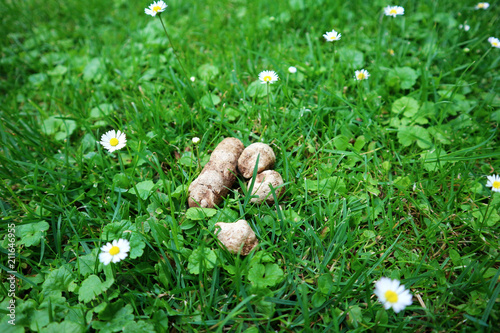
263, 276
406, 105
179, 191
93, 70
298, 5
291, 215
351, 58
6, 327
37, 79
440, 134
257, 89
490, 272
87, 263
66, 129
210, 100
328, 187
401, 77
65, 326
92, 287
137, 245
495, 116
58, 279
188, 159
318, 299
142, 189
386, 166
50, 125
203, 258
149, 74
326, 284
121, 180
101, 110
455, 257
232, 113
223, 215
341, 142
491, 219
432, 161
208, 72
31, 234
261, 257
198, 213
370, 234
139, 327
359, 144
117, 321
59, 70
61, 128
355, 316
408, 135
402, 182
381, 319
116, 230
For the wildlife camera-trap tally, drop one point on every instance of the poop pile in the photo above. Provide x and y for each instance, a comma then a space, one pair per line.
218, 176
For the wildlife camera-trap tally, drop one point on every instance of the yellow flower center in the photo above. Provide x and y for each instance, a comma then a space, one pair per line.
496, 184
361, 76
494, 44
115, 250
267, 78
393, 12
391, 296
156, 8
114, 142
480, 5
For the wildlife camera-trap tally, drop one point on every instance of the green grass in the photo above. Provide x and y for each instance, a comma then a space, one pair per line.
384, 178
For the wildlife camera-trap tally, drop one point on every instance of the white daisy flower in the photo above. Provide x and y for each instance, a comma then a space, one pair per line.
494, 183
394, 11
192, 78
292, 69
361, 75
332, 36
155, 8
114, 252
392, 295
482, 5
195, 140
495, 42
268, 77
113, 140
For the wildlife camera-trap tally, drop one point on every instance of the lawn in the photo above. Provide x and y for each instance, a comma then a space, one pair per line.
385, 176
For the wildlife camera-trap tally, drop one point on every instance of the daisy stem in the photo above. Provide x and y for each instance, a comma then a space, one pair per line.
360, 93
121, 163
485, 214
198, 157
379, 38
178, 59
332, 74
268, 104
113, 271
